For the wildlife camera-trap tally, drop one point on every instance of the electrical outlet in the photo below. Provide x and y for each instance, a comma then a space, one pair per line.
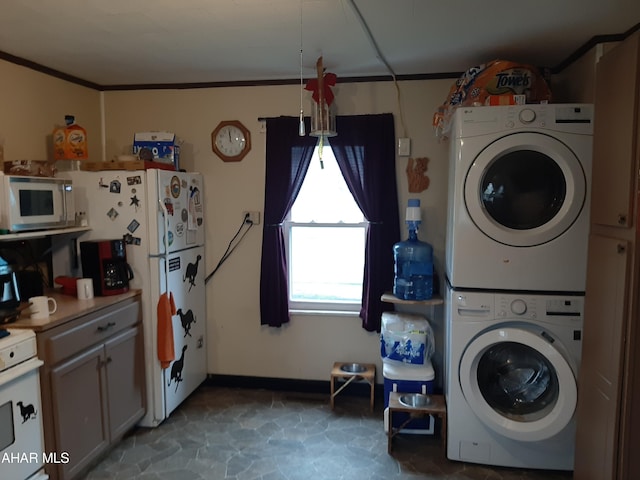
253, 217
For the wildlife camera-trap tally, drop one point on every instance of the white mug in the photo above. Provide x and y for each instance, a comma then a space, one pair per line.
42, 307
85, 288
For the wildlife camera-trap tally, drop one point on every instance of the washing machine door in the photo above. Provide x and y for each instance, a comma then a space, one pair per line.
518, 384
525, 189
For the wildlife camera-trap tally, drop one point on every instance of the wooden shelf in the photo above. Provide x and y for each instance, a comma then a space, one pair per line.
42, 233
391, 298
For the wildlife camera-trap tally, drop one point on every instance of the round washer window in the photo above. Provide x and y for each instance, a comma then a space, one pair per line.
517, 381
523, 189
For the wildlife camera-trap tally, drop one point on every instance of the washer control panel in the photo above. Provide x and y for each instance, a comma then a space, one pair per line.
521, 306
535, 307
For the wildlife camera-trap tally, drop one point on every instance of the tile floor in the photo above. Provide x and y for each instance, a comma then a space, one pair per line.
244, 434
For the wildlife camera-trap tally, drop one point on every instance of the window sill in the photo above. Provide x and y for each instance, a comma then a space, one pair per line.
325, 313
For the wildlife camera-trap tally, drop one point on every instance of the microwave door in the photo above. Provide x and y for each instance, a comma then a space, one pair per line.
37, 203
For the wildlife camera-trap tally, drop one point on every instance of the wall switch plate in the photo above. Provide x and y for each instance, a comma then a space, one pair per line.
251, 217
404, 147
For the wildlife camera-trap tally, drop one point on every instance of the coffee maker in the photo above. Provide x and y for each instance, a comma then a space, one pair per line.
9, 293
105, 262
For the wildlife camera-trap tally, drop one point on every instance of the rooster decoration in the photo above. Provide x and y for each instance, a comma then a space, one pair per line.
322, 118
321, 87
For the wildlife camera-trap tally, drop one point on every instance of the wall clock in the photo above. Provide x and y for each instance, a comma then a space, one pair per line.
231, 140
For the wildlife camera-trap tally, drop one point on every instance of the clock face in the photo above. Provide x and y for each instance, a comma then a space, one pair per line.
231, 141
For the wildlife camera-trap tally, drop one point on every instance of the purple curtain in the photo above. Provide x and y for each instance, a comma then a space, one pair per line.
365, 151
287, 160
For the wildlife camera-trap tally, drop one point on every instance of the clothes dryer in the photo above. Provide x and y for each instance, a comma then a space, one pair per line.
511, 378
519, 187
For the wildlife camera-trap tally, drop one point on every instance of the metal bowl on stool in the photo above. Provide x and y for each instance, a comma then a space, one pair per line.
353, 368
415, 400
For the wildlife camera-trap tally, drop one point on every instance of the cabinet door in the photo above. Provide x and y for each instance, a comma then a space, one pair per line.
615, 134
125, 380
79, 397
602, 359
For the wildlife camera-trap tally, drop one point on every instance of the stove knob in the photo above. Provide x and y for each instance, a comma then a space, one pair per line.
518, 307
527, 115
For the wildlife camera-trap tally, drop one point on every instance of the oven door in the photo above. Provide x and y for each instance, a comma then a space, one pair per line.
21, 434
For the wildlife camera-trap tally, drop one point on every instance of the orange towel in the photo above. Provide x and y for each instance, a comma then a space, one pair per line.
166, 309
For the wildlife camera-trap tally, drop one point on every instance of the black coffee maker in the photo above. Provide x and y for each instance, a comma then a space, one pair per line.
9, 293
105, 262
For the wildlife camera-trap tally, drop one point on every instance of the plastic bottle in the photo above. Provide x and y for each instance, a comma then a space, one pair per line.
413, 259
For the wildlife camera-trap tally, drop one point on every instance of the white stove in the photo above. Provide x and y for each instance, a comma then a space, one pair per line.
21, 433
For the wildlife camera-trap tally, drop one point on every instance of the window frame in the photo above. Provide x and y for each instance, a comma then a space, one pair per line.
301, 306
319, 307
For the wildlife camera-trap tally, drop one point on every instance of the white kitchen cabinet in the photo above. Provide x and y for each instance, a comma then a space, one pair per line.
608, 426
92, 380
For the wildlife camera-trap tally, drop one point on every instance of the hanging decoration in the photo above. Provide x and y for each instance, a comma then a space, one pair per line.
301, 129
323, 118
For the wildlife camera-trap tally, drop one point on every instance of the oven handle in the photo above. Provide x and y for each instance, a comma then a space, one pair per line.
17, 371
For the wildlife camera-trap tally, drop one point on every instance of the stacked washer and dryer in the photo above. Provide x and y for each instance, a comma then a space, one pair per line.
517, 236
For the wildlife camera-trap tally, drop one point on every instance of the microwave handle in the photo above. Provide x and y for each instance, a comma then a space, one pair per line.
68, 203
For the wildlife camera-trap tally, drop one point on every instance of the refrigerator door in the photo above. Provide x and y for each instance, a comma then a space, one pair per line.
186, 285
115, 204
177, 198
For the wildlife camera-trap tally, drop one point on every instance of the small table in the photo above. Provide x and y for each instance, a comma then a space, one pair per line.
437, 408
368, 374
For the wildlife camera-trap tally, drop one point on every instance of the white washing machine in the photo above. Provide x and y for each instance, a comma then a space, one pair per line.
511, 378
519, 187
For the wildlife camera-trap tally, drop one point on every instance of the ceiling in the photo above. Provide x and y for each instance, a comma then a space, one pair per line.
134, 42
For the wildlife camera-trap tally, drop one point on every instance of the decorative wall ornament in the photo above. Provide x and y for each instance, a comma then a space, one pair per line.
416, 169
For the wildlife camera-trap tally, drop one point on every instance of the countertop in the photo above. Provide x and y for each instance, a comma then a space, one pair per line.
69, 308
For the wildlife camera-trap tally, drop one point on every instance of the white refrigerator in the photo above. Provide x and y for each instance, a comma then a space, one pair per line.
160, 215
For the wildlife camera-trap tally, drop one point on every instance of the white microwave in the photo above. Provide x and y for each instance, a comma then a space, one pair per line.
35, 203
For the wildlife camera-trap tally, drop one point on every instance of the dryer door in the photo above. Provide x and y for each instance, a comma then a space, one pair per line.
518, 384
525, 189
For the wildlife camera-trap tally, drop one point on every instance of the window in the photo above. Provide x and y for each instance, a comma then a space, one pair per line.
326, 241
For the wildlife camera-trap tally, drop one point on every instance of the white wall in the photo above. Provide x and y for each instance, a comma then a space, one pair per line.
306, 348
238, 345
33, 104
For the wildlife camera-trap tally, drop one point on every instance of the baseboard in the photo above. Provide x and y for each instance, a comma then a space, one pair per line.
290, 385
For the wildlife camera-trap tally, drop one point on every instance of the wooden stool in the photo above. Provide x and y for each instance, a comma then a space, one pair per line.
437, 408
340, 370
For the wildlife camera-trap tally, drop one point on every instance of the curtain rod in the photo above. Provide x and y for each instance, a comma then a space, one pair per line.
262, 119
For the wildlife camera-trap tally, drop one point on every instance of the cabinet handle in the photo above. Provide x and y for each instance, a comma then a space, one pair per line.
621, 248
622, 219
105, 362
103, 328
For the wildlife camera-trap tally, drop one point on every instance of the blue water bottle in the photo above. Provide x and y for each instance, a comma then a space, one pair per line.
413, 261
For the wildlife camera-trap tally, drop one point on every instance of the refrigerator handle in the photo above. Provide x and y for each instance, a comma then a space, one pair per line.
165, 237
